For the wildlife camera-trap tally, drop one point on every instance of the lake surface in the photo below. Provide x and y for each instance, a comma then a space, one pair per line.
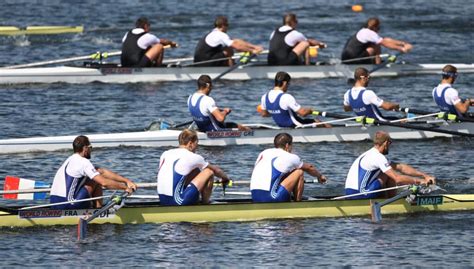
442, 32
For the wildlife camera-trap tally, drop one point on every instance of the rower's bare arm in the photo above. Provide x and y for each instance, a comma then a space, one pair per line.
390, 106
220, 115
304, 111
110, 183
412, 172
218, 172
311, 169
314, 42
166, 42
394, 44
463, 107
242, 45
402, 179
116, 177
347, 108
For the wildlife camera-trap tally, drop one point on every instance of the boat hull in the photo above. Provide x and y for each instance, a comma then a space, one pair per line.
238, 211
81, 75
169, 138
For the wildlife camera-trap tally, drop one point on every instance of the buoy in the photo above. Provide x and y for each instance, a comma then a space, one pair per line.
357, 8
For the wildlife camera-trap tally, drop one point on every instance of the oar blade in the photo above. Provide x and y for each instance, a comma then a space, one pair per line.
376, 211
82, 229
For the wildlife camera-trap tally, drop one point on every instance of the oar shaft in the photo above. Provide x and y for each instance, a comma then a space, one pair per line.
369, 192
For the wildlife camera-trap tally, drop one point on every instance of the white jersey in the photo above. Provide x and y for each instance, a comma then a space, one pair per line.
217, 37
287, 101
175, 164
451, 96
366, 168
72, 175
207, 105
369, 97
271, 164
291, 39
145, 41
365, 35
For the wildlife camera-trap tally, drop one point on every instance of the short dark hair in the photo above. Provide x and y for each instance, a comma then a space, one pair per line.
187, 136
449, 71
204, 81
360, 72
221, 21
282, 139
373, 23
80, 142
290, 17
280, 77
141, 22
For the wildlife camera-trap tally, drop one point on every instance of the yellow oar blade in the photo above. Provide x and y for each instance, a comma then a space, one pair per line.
40, 30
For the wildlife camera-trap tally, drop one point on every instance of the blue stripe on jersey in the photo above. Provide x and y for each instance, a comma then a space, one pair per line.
204, 123
281, 116
441, 101
362, 109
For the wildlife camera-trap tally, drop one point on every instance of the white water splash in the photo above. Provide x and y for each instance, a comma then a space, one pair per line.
21, 41
102, 41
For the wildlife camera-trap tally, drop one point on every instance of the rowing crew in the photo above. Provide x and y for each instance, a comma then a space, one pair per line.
286, 112
186, 178
287, 46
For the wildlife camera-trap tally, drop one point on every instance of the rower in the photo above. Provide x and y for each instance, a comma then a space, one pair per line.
218, 46
78, 179
373, 171
447, 97
365, 102
367, 43
282, 106
278, 173
142, 49
205, 113
184, 175
288, 45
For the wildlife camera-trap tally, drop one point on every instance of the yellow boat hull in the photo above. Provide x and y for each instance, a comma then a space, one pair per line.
237, 211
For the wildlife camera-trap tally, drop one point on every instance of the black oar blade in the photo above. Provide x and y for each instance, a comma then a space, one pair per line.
376, 211
81, 229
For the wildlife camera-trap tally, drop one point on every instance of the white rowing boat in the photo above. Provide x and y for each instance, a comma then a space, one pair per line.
260, 134
114, 74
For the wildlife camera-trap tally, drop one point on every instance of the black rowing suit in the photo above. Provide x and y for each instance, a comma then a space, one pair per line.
204, 52
132, 54
354, 49
281, 53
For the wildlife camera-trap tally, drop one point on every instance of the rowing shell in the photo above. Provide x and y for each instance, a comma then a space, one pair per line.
239, 210
70, 74
263, 135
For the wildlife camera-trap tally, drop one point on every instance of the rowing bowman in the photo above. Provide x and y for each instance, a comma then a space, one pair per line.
259, 134
115, 74
234, 210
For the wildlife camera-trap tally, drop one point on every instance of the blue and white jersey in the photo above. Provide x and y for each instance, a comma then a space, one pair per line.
175, 165
201, 107
365, 169
281, 107
363, 102
271, 167
71, 177
446, 97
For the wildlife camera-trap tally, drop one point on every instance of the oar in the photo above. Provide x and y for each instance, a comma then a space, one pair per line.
364, 120
376, 207
441, 114
82, 225
390, 59
94, 56
370, 192
244, 59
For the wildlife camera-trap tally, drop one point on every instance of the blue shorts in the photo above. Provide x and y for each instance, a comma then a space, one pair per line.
81, 194
261, 196
190, 196
373, 186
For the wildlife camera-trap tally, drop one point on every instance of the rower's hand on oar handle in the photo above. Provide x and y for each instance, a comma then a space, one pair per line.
429, 180
406, 47
174, 44
227, 110
322, 179
131, 187
257, 50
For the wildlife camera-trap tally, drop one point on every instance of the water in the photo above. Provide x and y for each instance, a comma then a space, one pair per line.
441, 32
